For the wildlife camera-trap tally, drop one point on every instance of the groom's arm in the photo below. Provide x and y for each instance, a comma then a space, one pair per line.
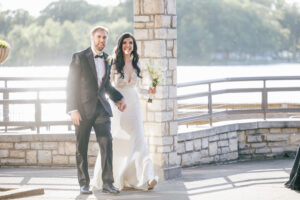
112, 92
115, 95
73, 84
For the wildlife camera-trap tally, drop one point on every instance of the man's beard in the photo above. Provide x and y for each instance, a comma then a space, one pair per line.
99, 48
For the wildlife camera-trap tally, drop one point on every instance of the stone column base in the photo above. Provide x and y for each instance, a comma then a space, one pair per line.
168, 173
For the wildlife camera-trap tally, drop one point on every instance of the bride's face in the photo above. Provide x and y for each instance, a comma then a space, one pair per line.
127, 46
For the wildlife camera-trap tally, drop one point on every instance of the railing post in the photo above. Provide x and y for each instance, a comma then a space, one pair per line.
5, 105
264, 103
210, 104
38, 112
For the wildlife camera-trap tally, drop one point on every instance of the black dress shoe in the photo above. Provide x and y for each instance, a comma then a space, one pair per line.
109, 188
85, 190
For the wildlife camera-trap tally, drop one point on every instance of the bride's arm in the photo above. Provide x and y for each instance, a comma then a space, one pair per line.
140, 89
112, 74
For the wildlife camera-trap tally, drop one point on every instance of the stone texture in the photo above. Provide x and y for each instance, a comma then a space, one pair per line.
163, 116
31, 157
180, 147
22, 145
6, 145
256, 138
61, 148
13, 161
187, 159
16, 154
233, 144
160, 159
155, 48
93, 149
49, 145
223, 143
189, 146
164, 149
204, 143
171, 8
72, 160
44, 157
60, 160
165, 140
277, 137
213, 148
174, 22
153, 7
36, 145
214, 138
136, 7
289, 130
70, 148
197, 144
174, 159
141, 34
155, 129
4, 153
142, 18
162, 21
160, 33
263, 151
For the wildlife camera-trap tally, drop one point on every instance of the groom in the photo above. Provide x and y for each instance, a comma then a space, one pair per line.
88, 82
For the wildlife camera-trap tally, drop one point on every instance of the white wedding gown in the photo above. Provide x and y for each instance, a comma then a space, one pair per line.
132, 164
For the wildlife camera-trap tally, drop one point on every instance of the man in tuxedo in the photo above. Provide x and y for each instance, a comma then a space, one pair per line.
88, 82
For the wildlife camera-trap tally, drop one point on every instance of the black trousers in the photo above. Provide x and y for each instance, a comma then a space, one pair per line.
101, 124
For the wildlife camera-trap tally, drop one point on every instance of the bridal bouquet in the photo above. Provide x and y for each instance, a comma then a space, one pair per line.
156, 78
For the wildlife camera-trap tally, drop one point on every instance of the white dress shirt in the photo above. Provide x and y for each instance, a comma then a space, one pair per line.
100, 67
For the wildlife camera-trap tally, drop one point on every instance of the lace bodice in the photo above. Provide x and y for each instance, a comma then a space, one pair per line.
129, 81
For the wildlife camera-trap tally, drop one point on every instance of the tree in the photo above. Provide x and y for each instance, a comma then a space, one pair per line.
292, 22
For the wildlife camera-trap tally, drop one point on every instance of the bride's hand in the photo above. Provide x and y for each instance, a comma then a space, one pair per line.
152, 90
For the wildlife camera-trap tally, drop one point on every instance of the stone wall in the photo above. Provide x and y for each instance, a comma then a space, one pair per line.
253, 140
42, 150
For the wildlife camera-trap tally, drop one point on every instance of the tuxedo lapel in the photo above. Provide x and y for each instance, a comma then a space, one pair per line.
90, 58
107, 65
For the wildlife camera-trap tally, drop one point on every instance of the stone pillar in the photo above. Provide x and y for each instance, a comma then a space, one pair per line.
156, 34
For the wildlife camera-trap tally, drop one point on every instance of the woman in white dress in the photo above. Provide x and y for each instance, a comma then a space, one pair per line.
132, 164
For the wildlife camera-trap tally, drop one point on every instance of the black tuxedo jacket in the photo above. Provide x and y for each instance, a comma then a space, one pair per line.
83, 93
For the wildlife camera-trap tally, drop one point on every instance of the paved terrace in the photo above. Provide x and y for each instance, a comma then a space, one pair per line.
259, 180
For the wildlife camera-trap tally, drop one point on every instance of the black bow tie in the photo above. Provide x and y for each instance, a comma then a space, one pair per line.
99, 56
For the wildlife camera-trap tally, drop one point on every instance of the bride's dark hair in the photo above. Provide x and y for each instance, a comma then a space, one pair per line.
119, 58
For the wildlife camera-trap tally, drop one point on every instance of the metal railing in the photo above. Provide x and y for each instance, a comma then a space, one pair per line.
37, 102
209, 94
264, 90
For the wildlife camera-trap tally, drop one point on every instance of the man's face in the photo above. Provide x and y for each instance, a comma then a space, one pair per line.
99, 40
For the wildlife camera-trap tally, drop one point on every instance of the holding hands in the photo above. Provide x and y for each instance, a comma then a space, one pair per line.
121, 105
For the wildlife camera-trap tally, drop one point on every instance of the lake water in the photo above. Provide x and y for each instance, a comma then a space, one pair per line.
184, 74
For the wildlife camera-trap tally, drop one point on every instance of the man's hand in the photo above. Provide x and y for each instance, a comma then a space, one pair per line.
76, 118
121, 105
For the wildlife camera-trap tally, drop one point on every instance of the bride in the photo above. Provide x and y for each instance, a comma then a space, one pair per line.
132, 164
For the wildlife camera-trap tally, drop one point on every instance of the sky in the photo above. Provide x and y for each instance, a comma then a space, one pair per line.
35, 6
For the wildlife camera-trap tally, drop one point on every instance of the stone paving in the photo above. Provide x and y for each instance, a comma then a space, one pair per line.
259, 180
